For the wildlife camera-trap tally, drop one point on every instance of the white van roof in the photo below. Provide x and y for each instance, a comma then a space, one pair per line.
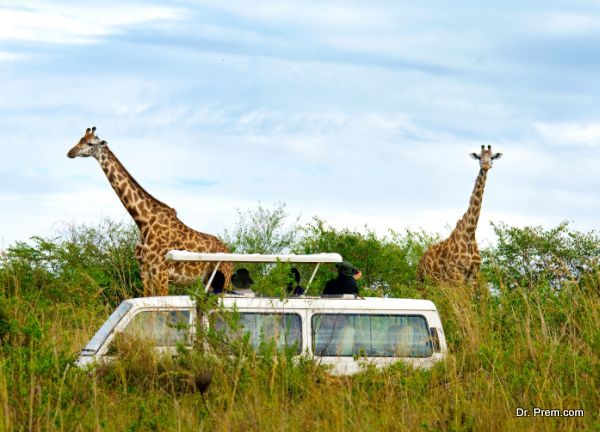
358, 303
182, 255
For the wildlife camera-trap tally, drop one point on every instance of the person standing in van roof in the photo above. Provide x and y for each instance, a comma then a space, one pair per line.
218, 283
242, 282
345, 283
294, 286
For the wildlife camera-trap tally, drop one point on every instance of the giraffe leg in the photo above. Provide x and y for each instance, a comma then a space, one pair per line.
474, 271
139, 252
227, 269
455, 277
421, 272
154, 279
146, 281
144, 272
160, 281
426, 268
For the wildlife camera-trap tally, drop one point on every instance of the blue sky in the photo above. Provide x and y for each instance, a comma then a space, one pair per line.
358, 112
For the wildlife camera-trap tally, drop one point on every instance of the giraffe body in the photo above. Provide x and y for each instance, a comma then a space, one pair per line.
160, 228
456, 260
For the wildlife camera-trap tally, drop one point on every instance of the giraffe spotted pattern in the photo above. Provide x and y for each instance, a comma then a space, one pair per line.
456, 260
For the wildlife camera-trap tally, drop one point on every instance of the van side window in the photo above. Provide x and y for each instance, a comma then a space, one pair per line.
284, 329
161, 328
370, 335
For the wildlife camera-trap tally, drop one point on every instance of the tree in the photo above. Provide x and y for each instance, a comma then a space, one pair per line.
532, 255
388, 263
262, 231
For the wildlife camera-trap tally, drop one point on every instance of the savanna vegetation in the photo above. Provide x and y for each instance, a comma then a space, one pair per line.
527, 337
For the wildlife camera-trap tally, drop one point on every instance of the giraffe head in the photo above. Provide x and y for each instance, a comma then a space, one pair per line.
486, 157
88, 145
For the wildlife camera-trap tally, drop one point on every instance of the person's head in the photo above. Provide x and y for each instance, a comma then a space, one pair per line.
293, 280
218, 282
347, 269
294, 273
241, 279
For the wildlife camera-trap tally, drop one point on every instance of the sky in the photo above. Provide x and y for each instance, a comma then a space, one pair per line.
361, 113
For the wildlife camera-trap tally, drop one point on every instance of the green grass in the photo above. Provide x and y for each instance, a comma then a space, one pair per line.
534, 346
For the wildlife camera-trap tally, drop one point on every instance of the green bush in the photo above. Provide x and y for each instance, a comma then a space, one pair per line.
82, 264
532, 256
263, 231
388, 263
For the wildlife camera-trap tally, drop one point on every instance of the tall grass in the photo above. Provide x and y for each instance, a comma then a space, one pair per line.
520, 347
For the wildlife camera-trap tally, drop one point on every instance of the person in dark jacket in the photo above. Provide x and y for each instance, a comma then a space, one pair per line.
294, 286
345, 283
218, 283
242, 282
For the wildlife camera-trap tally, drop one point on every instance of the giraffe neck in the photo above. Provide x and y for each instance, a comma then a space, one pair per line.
138, 202
468, 223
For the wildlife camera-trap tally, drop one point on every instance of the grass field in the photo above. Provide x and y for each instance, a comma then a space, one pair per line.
534, 342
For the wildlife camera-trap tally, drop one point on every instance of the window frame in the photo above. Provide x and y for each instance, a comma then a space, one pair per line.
301, 345
313, 339
130, 316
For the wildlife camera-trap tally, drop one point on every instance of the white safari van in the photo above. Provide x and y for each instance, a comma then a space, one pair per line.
343, 332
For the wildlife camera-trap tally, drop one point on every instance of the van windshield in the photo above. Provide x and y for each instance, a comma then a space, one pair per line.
370, 335
94, 345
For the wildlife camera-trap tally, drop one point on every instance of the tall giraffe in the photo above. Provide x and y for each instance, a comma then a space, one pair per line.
160, 228
456, 260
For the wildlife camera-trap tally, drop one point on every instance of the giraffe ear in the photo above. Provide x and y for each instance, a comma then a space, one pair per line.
497, 156
475, 156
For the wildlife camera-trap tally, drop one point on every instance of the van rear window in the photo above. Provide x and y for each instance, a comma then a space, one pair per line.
284, 329
370, 335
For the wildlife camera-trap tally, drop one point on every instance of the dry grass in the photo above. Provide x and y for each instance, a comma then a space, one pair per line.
519, 349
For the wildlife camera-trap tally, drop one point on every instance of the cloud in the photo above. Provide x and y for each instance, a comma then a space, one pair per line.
11, 57
570, 133
76, 24
567, 23
332, 15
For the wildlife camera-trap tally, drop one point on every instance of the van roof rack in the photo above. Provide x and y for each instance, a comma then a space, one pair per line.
341, 296
218, 258
182, 255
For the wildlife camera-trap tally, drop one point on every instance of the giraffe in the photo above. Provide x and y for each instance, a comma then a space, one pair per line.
160, 228
456, 260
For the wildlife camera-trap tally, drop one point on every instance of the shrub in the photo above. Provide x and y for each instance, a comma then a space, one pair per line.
532, 256
388, 263
82, 263
262, 231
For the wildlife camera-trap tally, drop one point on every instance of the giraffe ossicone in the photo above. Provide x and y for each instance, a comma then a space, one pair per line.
456, 260
160, 229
